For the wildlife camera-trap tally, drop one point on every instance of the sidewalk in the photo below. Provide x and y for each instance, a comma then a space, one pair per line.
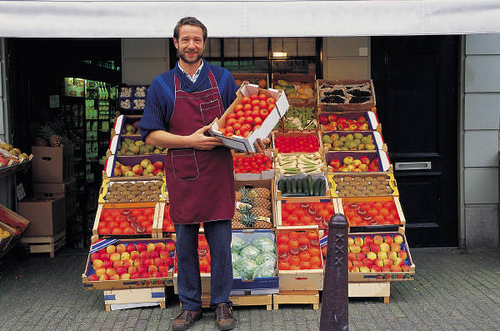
452, 290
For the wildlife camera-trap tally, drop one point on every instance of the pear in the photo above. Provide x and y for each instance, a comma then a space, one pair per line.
327, 139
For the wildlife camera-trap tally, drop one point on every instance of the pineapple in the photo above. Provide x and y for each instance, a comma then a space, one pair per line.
236, 222
39, 141
262, 192
248, 220
262, 203
56, 140
257, 211
48, 134
263, 224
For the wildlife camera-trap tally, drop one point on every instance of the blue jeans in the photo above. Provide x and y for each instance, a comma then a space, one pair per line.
218, 234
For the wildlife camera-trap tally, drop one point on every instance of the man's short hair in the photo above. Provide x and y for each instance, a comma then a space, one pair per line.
190, 21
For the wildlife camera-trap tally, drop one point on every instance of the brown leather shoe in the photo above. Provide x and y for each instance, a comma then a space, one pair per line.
224, 317
186, 319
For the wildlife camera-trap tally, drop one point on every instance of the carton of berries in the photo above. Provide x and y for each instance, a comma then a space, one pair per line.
253, 115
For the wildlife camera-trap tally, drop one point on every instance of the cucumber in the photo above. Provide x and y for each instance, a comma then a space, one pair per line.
299, 185
288, 186
281, 185
316, 187
305, 186
310, 184
294, 185
322, 187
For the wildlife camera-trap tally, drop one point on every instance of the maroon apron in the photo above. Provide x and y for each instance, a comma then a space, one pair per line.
200, 183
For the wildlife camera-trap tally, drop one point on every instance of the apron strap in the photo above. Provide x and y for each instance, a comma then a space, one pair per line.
213, 82
177, 83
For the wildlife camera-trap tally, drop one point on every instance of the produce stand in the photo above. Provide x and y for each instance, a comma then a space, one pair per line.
284, 200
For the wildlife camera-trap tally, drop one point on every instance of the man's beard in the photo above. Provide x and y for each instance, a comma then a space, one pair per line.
183, 57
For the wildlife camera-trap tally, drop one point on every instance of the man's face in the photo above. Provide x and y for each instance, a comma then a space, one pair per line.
190, 44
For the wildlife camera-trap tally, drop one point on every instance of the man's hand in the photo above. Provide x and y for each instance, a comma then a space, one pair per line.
198, 140
260, 145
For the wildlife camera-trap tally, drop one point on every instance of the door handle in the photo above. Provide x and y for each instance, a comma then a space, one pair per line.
423, 165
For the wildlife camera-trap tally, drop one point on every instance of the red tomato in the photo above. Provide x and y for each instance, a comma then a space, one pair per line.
254, 97
264, 113
262, 96
230, 121
270, 100
263, 104
238, 107
245, 100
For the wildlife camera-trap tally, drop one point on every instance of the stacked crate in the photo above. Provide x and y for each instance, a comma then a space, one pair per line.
128, 224
363, 187
53, 202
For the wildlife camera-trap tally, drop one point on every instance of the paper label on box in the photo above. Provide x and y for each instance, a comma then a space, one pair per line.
21, 194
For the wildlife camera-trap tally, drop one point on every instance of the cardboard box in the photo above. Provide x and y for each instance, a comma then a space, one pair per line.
267, 174
131, 161
376, 136
340, 181
133, 213
344, 89
120, 284
14, 220
47, 216
299, 88
246, 144
251, 77
66, 190
52, 164
384, 163
371, 223
382, 276
303, 279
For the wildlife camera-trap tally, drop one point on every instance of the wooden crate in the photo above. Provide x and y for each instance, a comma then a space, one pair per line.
296, 297
370, 290
45, 244
243, 300
132, 298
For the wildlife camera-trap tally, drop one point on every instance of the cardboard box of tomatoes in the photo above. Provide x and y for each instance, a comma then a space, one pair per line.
300, 261
383, 213
253, 166
126, 221
253, 115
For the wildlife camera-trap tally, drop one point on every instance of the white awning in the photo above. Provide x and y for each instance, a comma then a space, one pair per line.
257, 18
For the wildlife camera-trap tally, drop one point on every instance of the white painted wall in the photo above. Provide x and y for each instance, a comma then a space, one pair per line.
481, 146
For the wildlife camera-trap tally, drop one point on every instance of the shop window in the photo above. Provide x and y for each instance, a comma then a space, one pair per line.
266, 55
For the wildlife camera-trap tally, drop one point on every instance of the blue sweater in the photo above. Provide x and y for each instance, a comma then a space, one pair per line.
161, 94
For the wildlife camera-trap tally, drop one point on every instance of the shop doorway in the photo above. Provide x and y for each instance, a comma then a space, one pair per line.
416, 81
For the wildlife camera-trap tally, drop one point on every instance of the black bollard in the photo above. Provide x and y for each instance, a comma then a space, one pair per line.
335, 301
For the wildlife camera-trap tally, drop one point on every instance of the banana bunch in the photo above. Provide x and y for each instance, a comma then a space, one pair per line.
291, 164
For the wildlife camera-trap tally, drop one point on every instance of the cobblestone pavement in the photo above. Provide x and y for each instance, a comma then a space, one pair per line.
452, 290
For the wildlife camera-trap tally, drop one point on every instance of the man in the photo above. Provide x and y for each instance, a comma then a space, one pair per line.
181, 105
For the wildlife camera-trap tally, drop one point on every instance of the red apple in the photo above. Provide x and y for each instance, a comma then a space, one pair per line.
150, 247
132, 270
386, 269
164, 254
120, 248
121, 270
396, 268
398, 239
367, 262
94, 256
368, 240
163, 268
335, 163
169, 261
93, 278
395, 247
388, 239
405, 268
365, 249
154, 254
111, 249
135, 275
104, 277
141, 247
144, 255
145, 275
100, 271
117, 264
148, 261
125, 276
365, 160
378, 239
375, 268
130, 248
107, 264
111, 271
375, 248
96, 264
164, 274
156, 274
135, 255
158, 165
152, 268
137, 169
402, 255
104, 256
158, 262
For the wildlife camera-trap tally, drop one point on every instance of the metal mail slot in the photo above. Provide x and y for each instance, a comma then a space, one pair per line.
423, 165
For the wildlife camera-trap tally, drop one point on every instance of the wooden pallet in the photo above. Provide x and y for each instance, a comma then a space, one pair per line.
133, 298
370, 290
45, 244
296, 297
243, 300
